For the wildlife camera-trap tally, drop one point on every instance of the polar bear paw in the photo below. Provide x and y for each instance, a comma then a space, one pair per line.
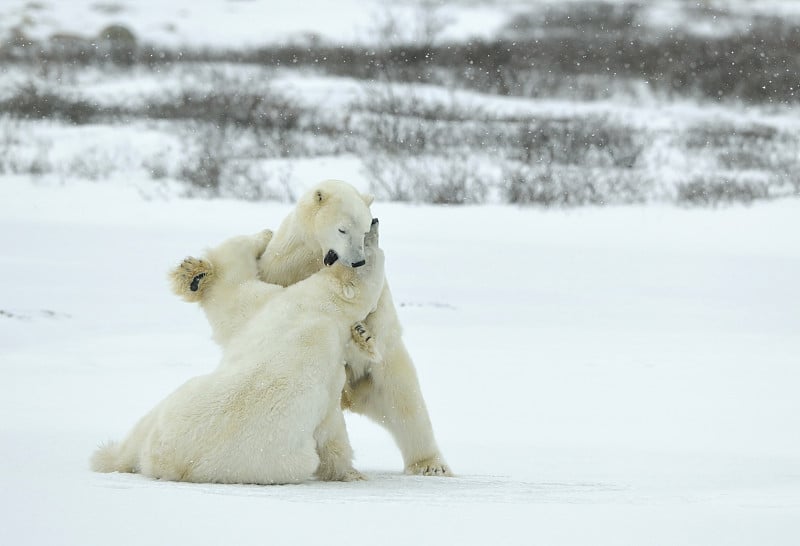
351, 475
432, 466
363, 340
190, 278
340, 475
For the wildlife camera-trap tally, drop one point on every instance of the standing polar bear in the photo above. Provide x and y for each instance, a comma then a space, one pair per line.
320, 231
270, 413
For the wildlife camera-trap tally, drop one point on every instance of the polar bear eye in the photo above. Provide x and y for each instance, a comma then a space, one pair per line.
343, 232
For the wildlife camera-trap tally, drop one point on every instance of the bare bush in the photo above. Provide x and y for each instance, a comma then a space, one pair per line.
747, 147
567, 19
255, 181
427, 179
398, 121
31, 102
18, 155
257, 109
554, 185
423, 146
719, 189
118, 44
203, 167
157, 166
578, 141
93, 163
220, 163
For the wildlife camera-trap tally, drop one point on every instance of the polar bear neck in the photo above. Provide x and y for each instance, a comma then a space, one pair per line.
291, 255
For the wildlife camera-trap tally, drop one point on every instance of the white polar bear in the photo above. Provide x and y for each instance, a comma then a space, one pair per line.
194, 278
270, 413
318, 232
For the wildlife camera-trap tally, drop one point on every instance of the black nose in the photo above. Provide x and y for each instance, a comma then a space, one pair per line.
359, 264
330, 258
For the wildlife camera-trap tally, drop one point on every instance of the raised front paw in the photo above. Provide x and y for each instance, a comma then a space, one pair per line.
432, 466
364, 342
190, 278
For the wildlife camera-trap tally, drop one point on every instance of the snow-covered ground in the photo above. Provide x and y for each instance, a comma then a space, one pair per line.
595, 376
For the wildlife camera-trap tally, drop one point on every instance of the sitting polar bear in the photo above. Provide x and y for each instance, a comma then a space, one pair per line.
270, 413
322, 229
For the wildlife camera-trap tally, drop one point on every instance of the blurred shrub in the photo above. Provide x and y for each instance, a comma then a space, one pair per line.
437, 179
578, 141
118, 43
713, 189
552, 185
256, 110
30, 102
587, 50
203, 167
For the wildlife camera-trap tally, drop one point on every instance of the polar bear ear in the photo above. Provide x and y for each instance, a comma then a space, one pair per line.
368, 198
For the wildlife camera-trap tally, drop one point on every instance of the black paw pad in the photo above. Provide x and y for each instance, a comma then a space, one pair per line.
196, 282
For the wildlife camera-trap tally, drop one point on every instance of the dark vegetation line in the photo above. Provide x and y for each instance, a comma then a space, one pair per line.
421, 150
539, 55
440, 151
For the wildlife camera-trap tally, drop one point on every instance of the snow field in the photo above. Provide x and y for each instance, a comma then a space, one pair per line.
594, 376
603, 376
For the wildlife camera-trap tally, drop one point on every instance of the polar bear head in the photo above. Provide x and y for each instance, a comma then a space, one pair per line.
335, 218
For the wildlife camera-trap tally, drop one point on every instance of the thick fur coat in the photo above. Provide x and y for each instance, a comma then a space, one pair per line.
389, 393
270, 413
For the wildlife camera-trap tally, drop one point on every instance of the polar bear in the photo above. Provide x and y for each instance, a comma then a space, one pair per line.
270, 413
321, 231
193, 280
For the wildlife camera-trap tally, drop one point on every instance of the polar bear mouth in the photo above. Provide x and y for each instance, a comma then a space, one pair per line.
330, 258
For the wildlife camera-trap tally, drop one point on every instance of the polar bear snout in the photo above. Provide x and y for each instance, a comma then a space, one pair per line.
345, 244
331, 257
